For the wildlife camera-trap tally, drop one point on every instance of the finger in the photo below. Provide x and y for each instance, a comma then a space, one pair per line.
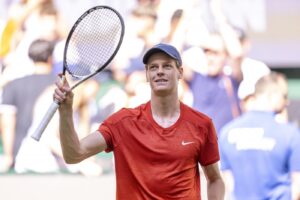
59, 94
63, 87
58, 82
57, 98
63, 79
59, 90
64, 82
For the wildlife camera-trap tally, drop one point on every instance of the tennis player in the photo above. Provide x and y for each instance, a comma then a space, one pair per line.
157, 146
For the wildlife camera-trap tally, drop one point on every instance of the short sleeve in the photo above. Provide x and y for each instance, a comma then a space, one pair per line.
106, 133
110, 132
114, 128
209, 151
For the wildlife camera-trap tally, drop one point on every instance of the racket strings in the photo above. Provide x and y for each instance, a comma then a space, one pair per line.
93, 42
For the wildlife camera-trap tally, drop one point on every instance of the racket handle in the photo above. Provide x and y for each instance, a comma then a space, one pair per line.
45, 121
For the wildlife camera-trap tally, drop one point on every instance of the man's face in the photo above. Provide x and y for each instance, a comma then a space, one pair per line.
163, 74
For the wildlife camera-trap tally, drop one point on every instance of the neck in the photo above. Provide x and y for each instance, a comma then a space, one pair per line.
165, 110
165, 106
262, 104
42, 68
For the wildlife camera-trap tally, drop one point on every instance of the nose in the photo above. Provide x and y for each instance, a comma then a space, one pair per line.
160, 70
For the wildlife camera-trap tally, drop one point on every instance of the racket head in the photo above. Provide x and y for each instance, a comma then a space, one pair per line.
93, 41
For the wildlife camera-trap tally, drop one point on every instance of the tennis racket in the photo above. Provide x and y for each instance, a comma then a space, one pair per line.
92, 43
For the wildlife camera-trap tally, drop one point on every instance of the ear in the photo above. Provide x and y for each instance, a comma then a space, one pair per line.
146, 74
180, 74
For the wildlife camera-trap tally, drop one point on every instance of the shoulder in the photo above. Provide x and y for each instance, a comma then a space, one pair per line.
13, 85
195, 117
28, 79
198, 77
15, 82
125, 113
239, 122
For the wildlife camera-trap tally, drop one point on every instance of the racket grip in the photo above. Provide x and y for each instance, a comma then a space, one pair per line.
45, 121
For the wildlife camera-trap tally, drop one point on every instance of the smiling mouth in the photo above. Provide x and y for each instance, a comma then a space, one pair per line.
161, 81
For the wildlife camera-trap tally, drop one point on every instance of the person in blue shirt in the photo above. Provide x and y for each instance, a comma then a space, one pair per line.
215, 92
258, 153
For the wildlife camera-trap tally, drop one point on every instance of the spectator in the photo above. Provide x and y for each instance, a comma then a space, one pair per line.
19, 96
261, 155
215, 92
252, 69
245, 69
45, 156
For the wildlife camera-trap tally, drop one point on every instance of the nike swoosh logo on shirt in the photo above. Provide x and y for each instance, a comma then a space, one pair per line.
186, 143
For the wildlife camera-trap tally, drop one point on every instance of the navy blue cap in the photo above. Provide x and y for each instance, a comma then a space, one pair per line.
165, 48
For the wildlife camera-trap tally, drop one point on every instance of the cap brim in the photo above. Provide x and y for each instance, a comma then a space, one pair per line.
153, 51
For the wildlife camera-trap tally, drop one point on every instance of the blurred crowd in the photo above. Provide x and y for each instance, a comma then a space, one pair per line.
212, 36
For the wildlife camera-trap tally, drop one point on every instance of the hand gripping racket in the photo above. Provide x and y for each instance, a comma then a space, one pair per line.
92, 43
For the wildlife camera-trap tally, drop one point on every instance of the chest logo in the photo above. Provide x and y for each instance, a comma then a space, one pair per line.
183, 143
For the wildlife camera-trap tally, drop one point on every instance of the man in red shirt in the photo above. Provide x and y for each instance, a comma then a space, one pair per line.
157, 145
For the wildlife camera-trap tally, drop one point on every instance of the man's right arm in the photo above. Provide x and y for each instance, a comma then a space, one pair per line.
74, 150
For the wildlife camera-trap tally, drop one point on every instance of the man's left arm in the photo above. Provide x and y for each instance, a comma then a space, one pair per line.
215, 184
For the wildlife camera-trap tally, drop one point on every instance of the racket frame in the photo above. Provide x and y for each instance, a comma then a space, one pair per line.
54, 106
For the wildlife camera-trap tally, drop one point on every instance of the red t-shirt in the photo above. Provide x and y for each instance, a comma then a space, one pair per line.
153, 162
